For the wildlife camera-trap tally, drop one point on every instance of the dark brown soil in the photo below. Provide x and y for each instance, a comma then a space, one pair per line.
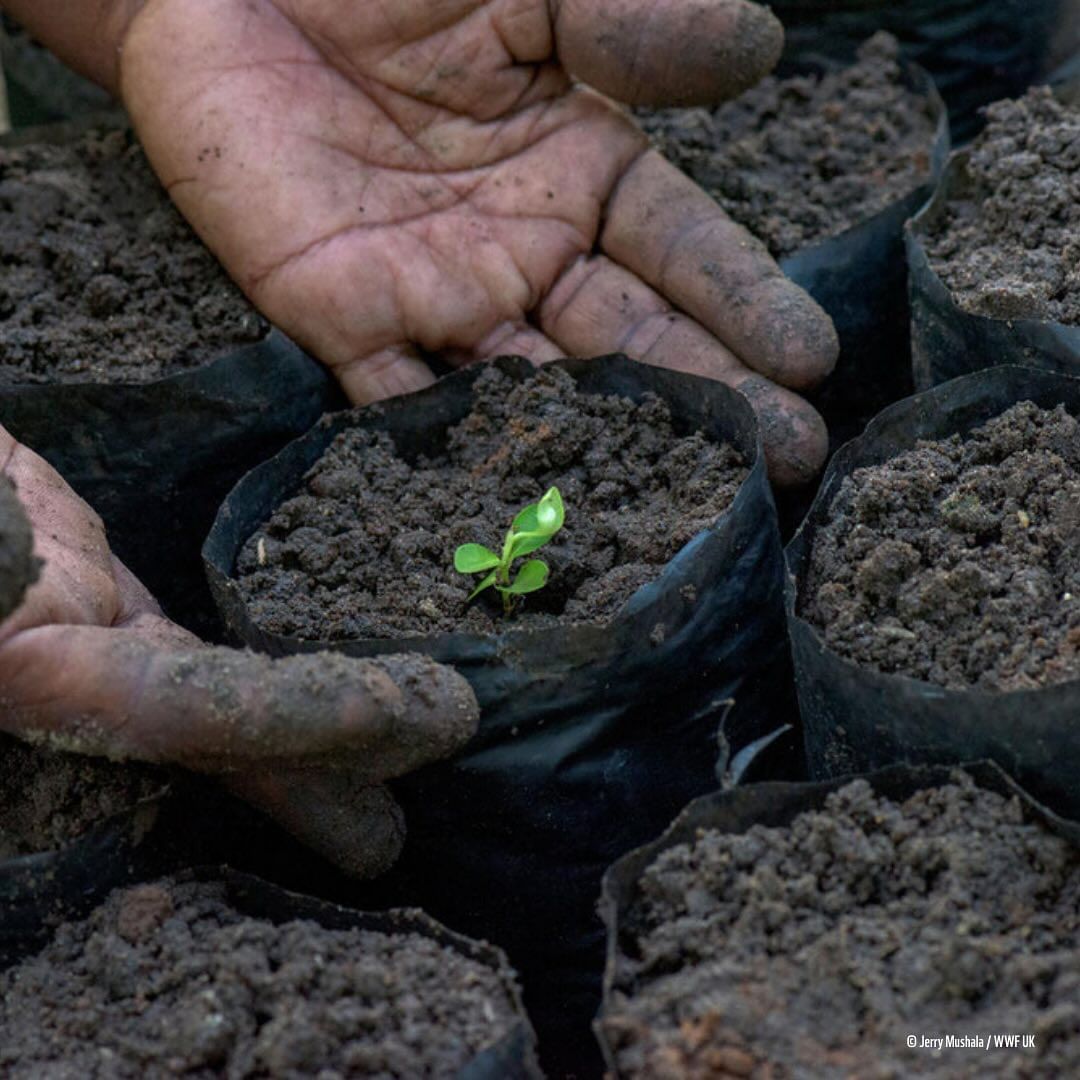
818, 949
48, 799
102, 280
801, 159
19, 567
366, 549
166, 980
958, 562
1011, 250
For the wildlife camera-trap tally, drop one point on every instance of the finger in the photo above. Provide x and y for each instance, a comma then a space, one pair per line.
509, 339
667, 52
598, 307
666, 230
19, 568
384, 374
75, 583
116, 693
355, 825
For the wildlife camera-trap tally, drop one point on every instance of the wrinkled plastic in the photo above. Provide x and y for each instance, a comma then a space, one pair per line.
591, 737
773, 806
977, 51
857, 719
947, 342
859, 278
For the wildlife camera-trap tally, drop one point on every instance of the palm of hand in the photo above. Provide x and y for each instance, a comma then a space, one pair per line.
392, 179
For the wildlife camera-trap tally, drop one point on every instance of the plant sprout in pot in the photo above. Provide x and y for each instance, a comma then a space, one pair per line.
530, 531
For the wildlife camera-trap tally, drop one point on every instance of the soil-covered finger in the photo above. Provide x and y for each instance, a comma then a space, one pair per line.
664, 228
112, 693
384, 374
356, 825
670, 53
18, 567
599, 307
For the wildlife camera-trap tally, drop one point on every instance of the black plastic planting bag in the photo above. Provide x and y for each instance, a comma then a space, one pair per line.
511, 1057
857, 719
859, 278
40, 890
976, 50
947, 342
773, 806
155, 460
590, 737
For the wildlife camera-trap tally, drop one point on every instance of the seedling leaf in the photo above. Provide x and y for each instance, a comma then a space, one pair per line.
486, 583
474, 558
532, 576
549, 512
532, 528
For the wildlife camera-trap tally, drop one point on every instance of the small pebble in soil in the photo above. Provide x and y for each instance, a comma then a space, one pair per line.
958, 562
166, 979
801, 159
103, 279
817, 949
1010, 249
366, 548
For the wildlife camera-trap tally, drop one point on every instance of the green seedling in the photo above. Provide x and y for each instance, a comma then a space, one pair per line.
531, 529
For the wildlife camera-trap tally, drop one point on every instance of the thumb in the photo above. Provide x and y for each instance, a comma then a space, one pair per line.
667, 52
354, 825
128, 695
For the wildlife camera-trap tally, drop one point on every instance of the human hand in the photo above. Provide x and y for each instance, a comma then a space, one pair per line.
89, 664
392, 180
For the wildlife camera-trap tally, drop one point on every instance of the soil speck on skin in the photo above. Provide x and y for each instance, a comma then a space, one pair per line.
958, 562
816, 949
366, 549
19, 567
48, 799
1011, 250
168, 979
801, 159
103, 280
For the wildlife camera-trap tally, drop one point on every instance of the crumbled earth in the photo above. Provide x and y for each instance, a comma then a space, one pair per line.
48, 799
1010, 248
815, 950
103, 281
366, 548
167, 979
801, 159
958, 562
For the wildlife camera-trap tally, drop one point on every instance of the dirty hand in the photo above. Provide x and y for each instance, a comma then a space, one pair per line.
89, 664
393, 179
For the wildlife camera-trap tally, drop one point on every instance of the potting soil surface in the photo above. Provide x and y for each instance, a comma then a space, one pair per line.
1010, 248
958, 562
818, 949
801, 159
166, 979
102, 280
366, 549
